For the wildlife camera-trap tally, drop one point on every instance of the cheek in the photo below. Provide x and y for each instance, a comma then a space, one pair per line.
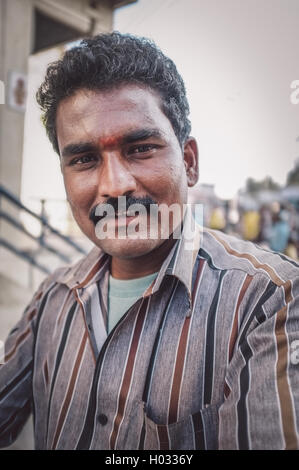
80, 192
166, 181
172, 180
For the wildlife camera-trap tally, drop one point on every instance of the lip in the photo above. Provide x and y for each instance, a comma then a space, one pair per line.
121, 221
120, 224
124, 220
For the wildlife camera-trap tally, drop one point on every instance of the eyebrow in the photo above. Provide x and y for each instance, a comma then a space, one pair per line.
77, 149
141, 134
128, 138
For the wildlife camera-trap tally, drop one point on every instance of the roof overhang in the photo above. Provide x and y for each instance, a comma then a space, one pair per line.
121, 3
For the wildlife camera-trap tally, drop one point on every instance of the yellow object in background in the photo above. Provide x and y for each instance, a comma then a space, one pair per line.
291, 251
217, 219
251, 225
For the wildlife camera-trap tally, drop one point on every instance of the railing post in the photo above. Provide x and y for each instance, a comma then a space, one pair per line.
46, 228
30, 276
43, 215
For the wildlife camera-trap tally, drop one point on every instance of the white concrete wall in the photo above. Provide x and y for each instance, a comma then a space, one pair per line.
16, 37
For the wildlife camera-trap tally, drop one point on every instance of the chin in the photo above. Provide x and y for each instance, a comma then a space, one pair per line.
127, 249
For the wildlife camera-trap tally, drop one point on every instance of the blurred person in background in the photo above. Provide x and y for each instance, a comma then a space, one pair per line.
265, 226
280, 230
292, 250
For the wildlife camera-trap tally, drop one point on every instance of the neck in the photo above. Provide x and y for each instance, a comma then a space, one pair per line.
141, 266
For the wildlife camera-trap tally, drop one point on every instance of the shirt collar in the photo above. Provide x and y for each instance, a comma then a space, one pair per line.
181, 259
179, 262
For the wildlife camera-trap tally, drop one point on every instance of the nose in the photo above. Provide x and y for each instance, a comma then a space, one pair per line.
115, 178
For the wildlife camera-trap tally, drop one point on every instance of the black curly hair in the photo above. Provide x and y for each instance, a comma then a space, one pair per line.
108, 60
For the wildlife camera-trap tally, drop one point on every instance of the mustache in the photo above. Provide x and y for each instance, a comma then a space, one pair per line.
146, 201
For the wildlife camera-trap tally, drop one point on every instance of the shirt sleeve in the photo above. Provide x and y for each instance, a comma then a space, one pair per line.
261, 408
16, 370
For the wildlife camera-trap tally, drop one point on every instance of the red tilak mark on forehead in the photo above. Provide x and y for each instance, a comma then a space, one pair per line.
110, 141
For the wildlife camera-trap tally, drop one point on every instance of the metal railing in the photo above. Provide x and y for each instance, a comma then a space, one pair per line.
41, 239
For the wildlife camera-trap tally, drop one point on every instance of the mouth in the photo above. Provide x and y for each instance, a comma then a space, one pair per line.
128, 213
123, 218
125, 224
123, 221
119, 217
121, 208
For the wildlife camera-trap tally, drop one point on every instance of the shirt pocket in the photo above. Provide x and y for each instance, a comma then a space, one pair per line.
196, 431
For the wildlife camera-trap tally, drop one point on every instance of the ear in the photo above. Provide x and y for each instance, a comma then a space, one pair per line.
191, 161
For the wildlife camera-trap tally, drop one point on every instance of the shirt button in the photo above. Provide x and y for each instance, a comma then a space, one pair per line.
102, 419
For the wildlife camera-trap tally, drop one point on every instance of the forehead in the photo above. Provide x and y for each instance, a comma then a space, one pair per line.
104, 114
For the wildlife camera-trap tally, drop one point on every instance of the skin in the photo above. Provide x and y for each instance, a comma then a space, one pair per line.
119, 159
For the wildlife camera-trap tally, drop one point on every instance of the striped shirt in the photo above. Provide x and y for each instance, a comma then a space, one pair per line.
205, 359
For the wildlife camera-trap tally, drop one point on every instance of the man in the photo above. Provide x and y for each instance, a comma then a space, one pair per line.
147, 343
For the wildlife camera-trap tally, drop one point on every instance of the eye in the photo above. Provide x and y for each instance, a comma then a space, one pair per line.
84, 160
142, 148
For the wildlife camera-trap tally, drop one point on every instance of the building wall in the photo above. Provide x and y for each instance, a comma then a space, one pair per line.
17, 41
16, 44
16, 37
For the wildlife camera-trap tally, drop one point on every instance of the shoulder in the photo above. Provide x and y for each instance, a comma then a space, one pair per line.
69, 276
226, 252
267, 282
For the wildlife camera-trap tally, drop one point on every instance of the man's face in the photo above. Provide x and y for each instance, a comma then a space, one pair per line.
119, 143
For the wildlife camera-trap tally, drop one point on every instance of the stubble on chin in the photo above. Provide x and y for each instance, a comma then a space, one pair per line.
128, 249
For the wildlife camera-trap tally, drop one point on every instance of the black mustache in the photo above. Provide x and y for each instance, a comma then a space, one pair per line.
146, 201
